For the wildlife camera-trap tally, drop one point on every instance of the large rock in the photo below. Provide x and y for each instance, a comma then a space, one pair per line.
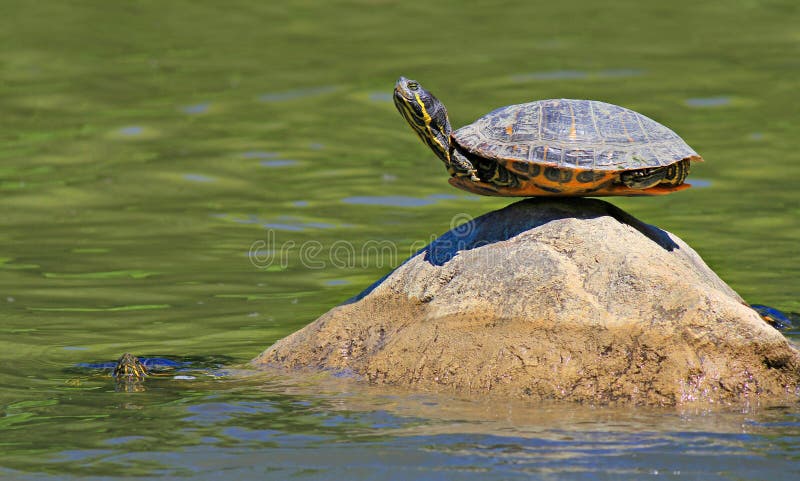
554, 299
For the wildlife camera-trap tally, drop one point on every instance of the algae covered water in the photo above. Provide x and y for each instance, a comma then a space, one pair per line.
195, 180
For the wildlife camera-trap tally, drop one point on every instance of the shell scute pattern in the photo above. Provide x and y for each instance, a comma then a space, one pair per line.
573, 134
579, 158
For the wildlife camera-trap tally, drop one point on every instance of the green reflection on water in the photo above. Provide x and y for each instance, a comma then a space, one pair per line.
147, 147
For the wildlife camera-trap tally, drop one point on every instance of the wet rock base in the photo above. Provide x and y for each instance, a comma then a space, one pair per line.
569, 299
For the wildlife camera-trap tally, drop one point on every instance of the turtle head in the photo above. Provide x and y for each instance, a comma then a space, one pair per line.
425, 114
129, 368
129, 373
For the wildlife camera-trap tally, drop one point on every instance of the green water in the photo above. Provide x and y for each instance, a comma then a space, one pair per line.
152, 153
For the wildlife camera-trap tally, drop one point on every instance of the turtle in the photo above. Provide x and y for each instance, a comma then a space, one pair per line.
129, 371
776, 318
554, 147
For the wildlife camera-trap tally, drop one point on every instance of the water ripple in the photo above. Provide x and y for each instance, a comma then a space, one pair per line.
389, 200
708, 101
198, 178
401, 200
259, 154
380, 96
196, 109
577, 74
278, 163
700, 183
297, 93
132, 130
284, 222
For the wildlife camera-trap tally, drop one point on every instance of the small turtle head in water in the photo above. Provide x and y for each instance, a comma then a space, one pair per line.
129, 373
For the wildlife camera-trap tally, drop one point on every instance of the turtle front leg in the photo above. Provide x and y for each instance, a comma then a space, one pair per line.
460, 166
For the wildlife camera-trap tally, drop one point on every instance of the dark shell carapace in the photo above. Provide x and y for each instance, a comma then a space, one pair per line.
573, 134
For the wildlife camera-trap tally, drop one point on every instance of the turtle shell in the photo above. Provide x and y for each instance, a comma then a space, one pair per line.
573, 134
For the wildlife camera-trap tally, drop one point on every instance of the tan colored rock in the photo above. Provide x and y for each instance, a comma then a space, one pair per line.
554, 299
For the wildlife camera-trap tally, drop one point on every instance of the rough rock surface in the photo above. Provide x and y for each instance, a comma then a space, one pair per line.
554, 299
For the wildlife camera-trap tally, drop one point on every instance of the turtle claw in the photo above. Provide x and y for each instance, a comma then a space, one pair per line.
463, 167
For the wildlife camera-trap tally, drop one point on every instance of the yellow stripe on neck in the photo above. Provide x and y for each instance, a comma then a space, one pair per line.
426, 117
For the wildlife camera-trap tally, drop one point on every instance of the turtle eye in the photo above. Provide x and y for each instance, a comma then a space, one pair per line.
412, 85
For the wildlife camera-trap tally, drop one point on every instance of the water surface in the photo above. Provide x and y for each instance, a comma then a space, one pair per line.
198, 179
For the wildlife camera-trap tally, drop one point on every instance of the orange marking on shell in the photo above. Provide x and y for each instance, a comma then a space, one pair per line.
509, 130
572, 132
622, 123
531, 190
